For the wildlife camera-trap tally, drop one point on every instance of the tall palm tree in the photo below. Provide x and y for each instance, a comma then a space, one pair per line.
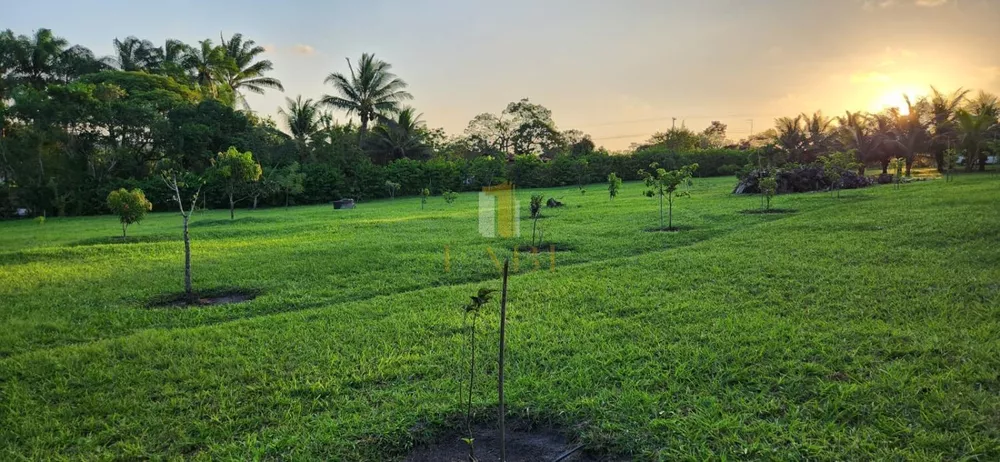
975, 123
792, 137
943, 130
206, 62
242, 72
371, 91
911, 129
303, 121
38, 57
171, 59
860, 134
77, 61
818, 131
400, 137
133, 54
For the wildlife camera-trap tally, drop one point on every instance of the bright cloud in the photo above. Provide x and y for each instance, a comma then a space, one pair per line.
870, 77
304, 49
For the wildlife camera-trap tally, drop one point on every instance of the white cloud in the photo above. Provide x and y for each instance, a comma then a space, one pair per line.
304, 49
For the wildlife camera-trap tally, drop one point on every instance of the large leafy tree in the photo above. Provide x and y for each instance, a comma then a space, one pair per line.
370, 91
911, 129
243, 70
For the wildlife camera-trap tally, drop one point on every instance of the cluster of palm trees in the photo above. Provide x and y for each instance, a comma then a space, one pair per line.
374, 94
928, 125
223, 71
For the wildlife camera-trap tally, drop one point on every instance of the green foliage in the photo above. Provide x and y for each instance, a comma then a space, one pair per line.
449, 196
392, 187
835, 164
614, 185
236, 170
950, 162
664, 184
769, 187
290, 181
897, 165
130, 206
424, 194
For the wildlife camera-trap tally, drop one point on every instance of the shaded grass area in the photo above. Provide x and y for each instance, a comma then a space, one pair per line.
849, 330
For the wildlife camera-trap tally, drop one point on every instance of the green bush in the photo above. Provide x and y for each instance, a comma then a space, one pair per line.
130, 206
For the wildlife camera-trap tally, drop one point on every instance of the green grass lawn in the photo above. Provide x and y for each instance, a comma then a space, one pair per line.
865, 327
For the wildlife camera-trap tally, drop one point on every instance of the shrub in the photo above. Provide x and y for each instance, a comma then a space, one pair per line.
424, 194
449, 196
392, 188
802, 178
614, 184
130, 206
769, 187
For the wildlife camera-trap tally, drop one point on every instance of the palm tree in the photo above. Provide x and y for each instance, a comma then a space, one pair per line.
206, 62
38, 58
133, 54
302, 119
791, 137
242, 73
370, 92
911, 129
818, 134
975, 123
942, 124
399, 138
860, 134
171, 60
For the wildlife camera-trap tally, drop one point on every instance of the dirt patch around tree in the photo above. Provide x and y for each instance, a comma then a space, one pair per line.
524, 444
544, 248
210, 297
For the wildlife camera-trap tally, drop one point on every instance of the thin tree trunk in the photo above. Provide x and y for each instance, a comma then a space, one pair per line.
286, 199
503, 342
232, 206
187, 258
670, 214
123, 230
661, 210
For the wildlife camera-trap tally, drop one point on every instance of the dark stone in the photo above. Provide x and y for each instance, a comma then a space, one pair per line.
343, 204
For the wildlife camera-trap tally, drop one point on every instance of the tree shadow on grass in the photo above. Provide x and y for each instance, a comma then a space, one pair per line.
207, 297
114, 240
227, 222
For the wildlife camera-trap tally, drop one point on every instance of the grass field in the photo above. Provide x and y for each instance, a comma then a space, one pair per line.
865, 327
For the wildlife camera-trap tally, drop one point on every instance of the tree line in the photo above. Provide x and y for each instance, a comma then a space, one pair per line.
75, 126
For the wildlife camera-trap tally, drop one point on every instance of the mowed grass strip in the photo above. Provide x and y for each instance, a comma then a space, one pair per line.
865, 329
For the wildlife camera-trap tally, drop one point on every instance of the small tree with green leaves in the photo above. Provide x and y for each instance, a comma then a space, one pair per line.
834, 166
898, 164
236, 170
614, 185
290, 180
392, 188
130, 206
769, 187
449, 196
472, 309
950, 162
424, 194
664, 184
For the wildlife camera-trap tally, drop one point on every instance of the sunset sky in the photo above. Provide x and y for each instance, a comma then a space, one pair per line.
618, 70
